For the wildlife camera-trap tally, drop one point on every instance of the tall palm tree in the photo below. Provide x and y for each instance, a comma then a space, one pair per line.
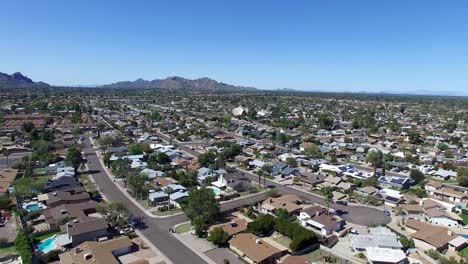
328, 196
6, 152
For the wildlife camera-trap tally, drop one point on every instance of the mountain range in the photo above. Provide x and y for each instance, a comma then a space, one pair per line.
18, 80
178, 83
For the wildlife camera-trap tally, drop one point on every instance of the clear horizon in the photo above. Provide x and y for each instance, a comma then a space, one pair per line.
334, 46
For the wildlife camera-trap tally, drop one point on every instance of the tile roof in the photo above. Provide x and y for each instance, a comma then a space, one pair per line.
253, 247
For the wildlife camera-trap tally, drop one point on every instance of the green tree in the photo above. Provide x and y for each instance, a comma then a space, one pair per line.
325, 121
407, 242
27, 126
291, 162
106, 159
74, 158
202, 205
120, 168
115, 213
135, 149
218, 236
207, 159
374, 158
417, 175
136, 183
462, 176
281, 213
264, 224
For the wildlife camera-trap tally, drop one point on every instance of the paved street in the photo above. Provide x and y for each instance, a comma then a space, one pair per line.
156, 229
12, 159
361, 215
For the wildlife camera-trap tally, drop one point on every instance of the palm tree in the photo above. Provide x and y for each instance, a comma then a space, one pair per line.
100, 127
6, 152
328, 195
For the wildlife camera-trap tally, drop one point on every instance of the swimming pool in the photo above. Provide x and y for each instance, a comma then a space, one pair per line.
33, 207
216, 191
47, 245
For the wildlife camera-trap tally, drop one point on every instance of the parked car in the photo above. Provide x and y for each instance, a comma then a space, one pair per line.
135, 222
341, 202
387, 213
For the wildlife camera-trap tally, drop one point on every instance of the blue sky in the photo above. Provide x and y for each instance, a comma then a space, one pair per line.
392, 46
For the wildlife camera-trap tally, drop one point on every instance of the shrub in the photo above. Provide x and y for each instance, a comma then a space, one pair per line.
218, 236
51, 256
23, 247
433, 254
301, 237
262, 225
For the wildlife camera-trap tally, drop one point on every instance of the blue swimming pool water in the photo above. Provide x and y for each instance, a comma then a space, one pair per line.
47, 245
33, 207
216, 191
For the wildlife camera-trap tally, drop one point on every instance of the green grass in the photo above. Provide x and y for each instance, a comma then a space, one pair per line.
450, 181
465, 220
314, 255
39, 171
89, 185
170, 212
283, 240
45, 236
464, 252
145, 204
183, 228
7, 251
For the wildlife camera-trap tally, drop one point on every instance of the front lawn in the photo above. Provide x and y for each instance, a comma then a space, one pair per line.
169, 212
283, 240
465, 219
7, 251
183, 228
464, 252
314, 255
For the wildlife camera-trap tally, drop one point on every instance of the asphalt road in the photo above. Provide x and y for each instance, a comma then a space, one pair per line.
361, 215
12, 159
156, 230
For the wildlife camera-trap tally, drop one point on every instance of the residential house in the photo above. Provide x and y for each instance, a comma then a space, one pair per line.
427, 236
78, 231
446, 193
391, 197
377, 255
317, 217
105, 252
255, 250
54, 216
395, 182
367, 191
233, 227
379, 237
60, 184
311, 179
291, 203
74, 195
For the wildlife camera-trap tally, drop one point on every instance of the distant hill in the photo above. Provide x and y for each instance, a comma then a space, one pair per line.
178, 83
18, 80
